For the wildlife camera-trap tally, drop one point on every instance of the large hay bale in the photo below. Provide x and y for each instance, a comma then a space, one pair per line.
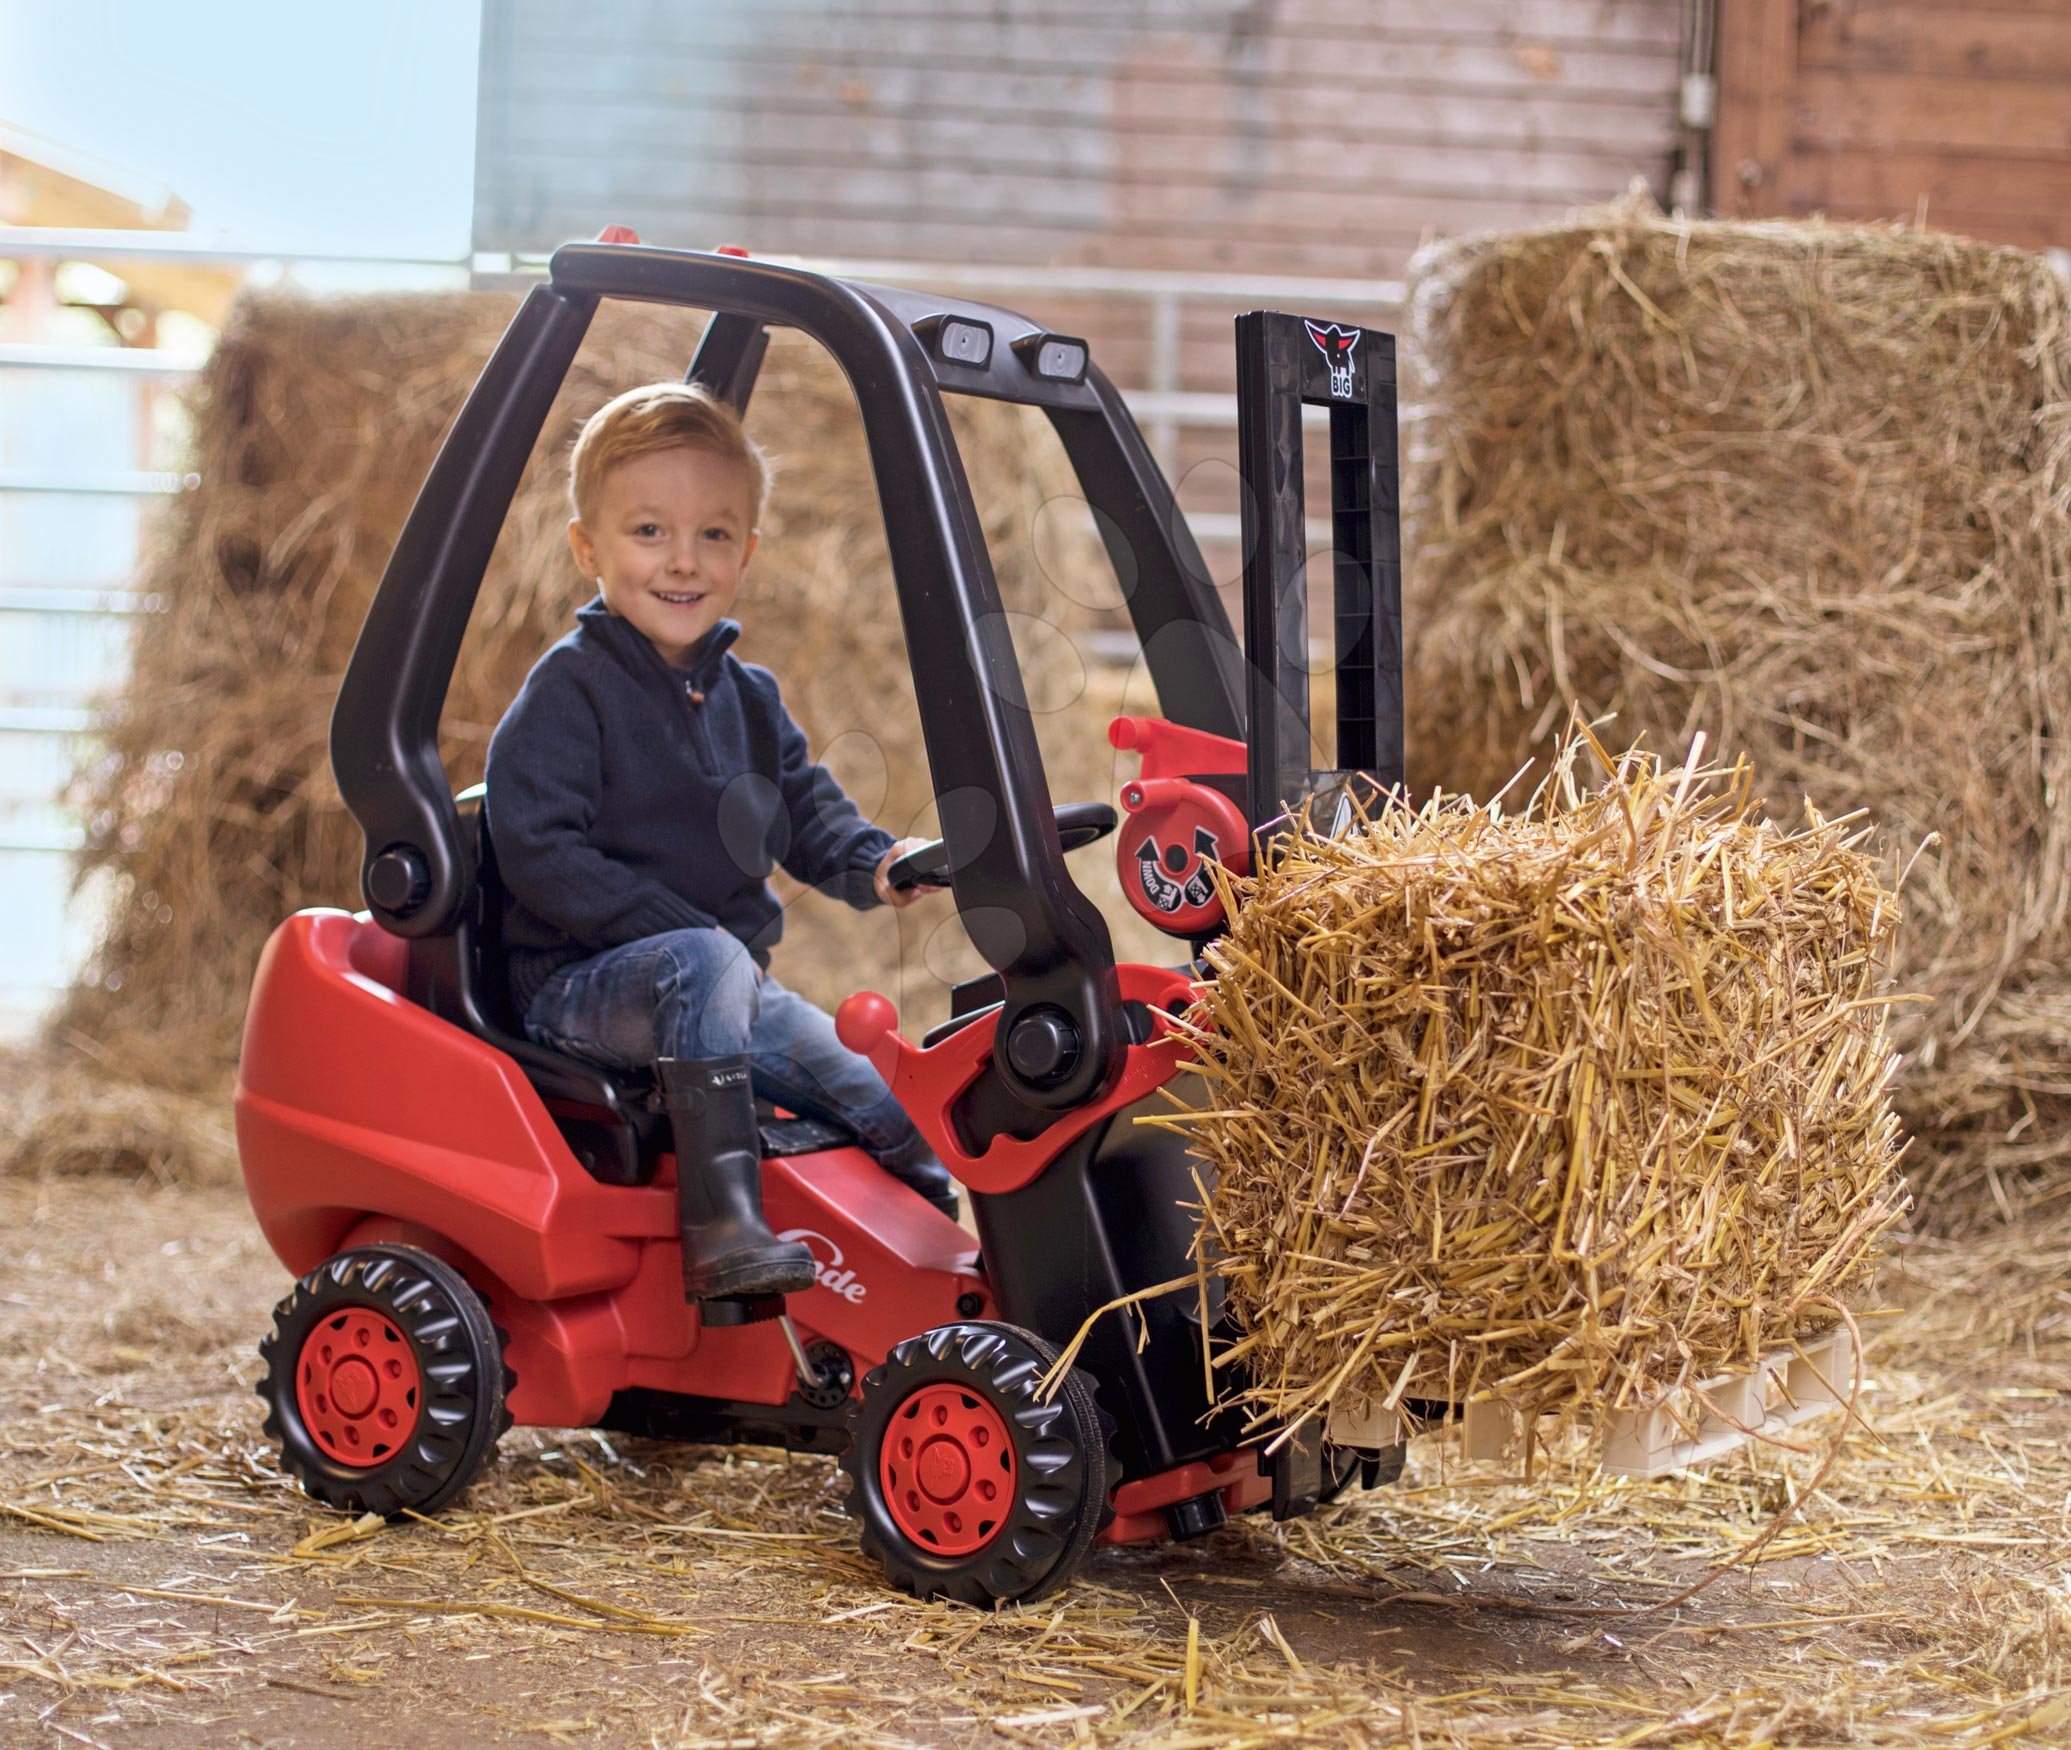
211, 801
1807, 487
1562, 1109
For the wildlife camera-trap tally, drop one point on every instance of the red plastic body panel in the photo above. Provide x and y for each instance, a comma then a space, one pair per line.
352, 1100
930, 1082
362, 1117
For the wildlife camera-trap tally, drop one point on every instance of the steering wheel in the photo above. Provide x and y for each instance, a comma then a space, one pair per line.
1079, 824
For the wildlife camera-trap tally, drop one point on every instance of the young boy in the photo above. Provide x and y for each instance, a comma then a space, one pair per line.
641, 787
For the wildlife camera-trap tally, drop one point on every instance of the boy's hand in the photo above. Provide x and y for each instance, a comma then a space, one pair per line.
884, 892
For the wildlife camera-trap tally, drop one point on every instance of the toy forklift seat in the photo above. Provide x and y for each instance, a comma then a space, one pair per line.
613, 1119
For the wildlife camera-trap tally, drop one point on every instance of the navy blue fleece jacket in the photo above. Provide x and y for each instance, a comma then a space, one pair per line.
628, 798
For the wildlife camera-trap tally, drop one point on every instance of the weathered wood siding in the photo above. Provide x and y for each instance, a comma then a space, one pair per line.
1272, 136
1871, 109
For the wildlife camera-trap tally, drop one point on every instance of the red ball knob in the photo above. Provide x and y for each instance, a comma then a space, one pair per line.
863, 1020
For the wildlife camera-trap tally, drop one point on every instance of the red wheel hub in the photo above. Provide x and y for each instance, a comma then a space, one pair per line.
947, 1469
358, 1387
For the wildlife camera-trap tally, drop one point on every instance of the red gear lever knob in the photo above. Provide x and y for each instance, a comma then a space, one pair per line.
863, 1020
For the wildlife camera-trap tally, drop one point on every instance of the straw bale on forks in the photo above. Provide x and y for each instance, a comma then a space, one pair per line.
1567, 1110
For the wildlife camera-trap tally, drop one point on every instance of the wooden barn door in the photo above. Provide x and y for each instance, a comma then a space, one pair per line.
1884, 109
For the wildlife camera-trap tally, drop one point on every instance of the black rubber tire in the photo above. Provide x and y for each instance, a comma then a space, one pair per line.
459, 1353
1065, 1469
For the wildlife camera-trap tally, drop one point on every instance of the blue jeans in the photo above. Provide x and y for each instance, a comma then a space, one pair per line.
699, 993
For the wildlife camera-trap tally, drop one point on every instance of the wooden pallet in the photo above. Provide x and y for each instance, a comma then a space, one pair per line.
1720, 1415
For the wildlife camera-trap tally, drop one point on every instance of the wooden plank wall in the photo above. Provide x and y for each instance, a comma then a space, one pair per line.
1268, 136
1876, 109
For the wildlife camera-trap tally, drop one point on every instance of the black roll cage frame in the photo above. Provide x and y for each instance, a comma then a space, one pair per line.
1027, 918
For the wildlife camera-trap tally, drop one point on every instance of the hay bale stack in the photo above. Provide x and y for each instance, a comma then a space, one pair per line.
211, 801
1807, 487
1561, 1109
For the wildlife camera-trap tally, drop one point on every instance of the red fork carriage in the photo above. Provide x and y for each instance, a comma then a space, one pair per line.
485, 1230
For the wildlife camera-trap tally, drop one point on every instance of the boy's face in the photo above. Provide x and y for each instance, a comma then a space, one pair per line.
667, 542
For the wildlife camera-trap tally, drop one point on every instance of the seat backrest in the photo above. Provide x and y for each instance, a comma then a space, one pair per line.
605, 1115
491, 976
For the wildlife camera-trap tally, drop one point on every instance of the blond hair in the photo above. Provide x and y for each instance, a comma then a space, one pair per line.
662, 416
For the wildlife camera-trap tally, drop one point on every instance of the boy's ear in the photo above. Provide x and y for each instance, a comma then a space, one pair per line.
748, 547
584, 549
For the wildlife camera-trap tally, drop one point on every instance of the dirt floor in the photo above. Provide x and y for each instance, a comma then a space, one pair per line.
160, 1584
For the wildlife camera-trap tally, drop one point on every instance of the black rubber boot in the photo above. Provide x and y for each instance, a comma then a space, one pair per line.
728, 1249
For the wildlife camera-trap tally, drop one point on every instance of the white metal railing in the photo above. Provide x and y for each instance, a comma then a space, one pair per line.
55, 599
114, 482
140, 361
81, 243
1159, 403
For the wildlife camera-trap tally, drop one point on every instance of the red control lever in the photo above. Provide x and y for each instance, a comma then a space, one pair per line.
929, 1083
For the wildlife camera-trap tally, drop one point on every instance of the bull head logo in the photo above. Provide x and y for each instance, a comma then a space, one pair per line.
1336, 344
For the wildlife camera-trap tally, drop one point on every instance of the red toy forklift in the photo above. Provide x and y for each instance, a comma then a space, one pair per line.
485, 1230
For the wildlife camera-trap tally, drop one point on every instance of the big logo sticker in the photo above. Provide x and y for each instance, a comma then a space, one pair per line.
1336, 344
